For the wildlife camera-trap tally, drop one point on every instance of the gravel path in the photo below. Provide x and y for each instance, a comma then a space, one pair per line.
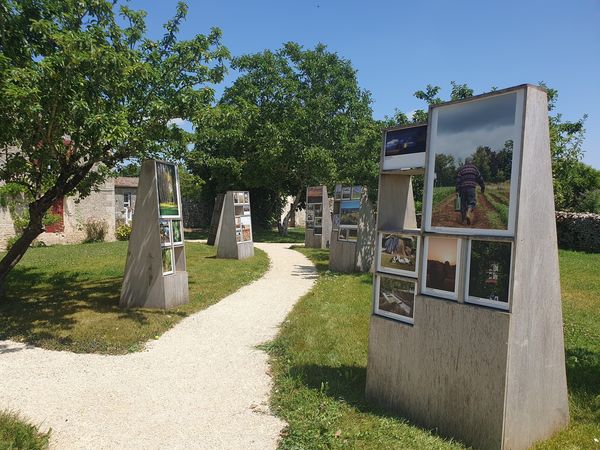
203, 384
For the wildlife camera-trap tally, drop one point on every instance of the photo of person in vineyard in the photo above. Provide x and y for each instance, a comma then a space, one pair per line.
473, 147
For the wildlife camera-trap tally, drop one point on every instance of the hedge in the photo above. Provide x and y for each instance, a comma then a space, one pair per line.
578, 231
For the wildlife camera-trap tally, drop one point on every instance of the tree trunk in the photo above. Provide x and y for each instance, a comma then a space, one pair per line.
34, 229
284, 225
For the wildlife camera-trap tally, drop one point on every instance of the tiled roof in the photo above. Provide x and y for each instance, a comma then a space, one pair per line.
127, 182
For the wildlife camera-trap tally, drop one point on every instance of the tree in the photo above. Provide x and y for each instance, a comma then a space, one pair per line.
82, 90
566, 138
292, 119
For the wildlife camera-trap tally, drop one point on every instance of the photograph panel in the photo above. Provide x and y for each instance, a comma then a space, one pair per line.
165, 232
398, 253
177, 231
349, 212
314, 194
441, 266
167, 260
395, 297
405, 148
472, 154
167, 189
489, 271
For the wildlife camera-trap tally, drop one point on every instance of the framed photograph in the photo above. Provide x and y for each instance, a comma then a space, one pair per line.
314, 194
349, 212
352, 234
238, 210
310, 215
318, 209
404, 147
246, 224
165, 232
346, 192
398, 254
236, 198
356, 192
246, 197
166, 180
335, 221
167, 260
238, 235
394, 298
337, 194
343, 234
318, 221
246, 210
318, 230
473, 165
441, 266
489, 268
336, 207
177, 232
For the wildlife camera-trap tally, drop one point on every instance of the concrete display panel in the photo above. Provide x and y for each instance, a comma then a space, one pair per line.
353, 230
234, 235
155, 271
480, 355
317, 233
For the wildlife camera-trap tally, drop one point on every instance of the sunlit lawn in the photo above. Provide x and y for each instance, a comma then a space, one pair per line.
67, 297
320, 356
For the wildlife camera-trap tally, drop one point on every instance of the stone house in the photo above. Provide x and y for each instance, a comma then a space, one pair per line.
125, 195
74, 214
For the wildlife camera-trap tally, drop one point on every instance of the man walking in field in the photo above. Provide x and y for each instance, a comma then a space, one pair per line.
467, 179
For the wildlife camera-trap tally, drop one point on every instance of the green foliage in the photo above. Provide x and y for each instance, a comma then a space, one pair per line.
131, 169
16, 433
590, 201
123, 232
95, 230
83, 89
294, 118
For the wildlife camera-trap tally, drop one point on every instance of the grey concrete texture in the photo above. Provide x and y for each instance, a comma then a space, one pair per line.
202, 385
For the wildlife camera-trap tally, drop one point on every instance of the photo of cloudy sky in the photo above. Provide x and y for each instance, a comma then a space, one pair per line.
462, 128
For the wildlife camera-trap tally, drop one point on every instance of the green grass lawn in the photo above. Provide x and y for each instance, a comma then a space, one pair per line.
295, 235
319, 365
16, 433
67, 297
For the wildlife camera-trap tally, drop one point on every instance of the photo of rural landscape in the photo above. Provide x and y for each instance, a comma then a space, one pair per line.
398, 252
167, 189
396, 296
489, 272
441, 263
349, 212
473, 151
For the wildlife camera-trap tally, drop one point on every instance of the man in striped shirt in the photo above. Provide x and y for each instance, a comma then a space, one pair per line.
467, 179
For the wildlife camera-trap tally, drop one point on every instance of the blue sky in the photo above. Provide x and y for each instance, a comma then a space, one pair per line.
398, 47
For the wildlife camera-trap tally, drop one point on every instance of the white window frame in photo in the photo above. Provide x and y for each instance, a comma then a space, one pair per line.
170, 248
514, 174
390, 315
504, 306
178, 216
127, 196
437, 292
401, 272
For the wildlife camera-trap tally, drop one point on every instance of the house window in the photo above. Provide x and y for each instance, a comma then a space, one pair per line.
127, 199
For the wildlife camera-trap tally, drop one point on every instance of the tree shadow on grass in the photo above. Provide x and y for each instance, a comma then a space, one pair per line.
38, 306
583, 379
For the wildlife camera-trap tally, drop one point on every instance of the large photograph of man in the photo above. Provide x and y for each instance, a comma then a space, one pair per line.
472, 154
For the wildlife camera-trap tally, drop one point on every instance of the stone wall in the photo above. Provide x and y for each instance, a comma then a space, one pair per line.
98, 205
578, 231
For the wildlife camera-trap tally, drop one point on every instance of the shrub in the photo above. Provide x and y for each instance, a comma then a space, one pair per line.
95, 230
578, 231
123, 232
11, 241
